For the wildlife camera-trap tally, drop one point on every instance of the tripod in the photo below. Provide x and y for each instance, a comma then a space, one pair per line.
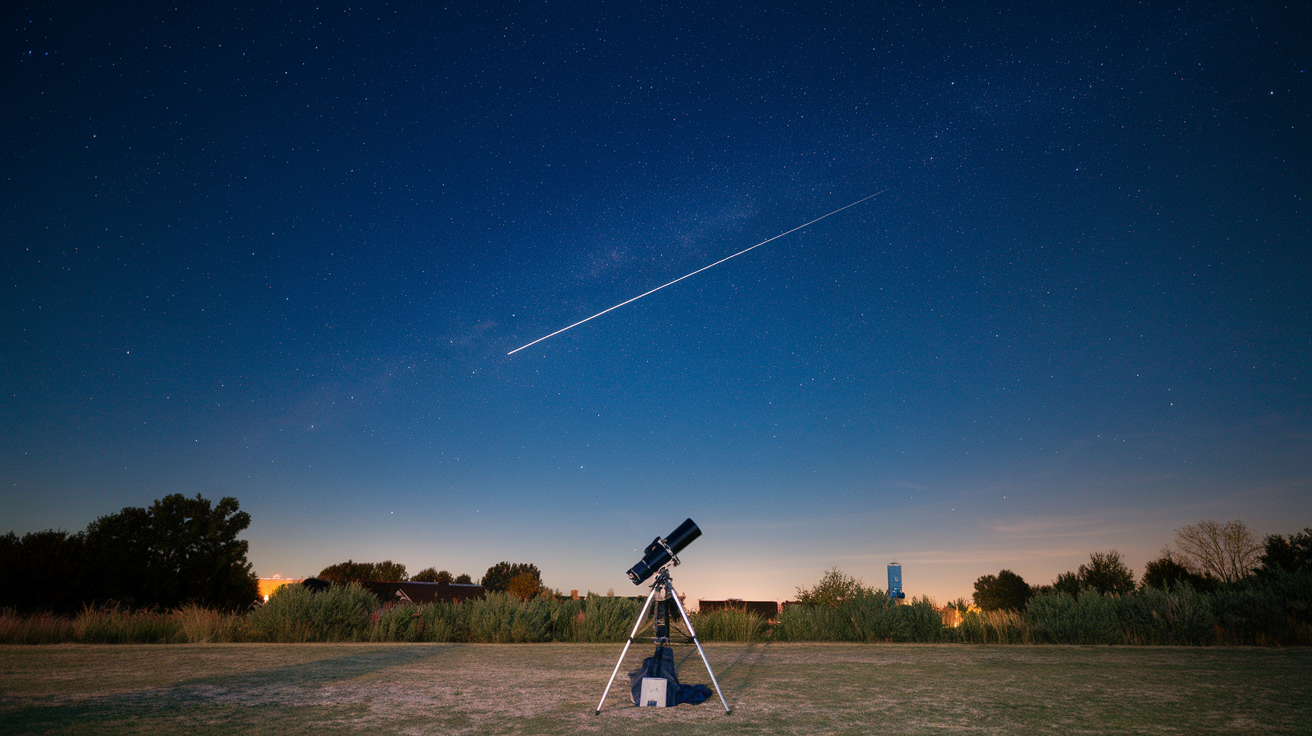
662, 591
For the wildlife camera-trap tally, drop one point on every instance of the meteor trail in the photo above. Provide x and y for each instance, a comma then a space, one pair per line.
694, 273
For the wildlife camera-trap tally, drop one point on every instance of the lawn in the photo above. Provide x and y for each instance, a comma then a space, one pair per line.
554, 688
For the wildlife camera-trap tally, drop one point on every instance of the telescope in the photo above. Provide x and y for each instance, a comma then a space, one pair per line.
654, 679
662, 551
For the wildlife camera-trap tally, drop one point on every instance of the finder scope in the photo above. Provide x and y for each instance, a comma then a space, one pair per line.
661, 550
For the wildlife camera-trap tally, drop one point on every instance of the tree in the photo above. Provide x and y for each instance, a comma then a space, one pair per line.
1290, 554
43, 571
429, 575
1107, 573
361, 572
833, 588
463, 579
525, 586
180, 550
1167, 571
1005, 591
1068, 583
498, 577
1227, 552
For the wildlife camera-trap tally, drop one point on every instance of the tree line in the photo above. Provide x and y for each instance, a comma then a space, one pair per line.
1209, 556
179, 550
175, 552
522, 579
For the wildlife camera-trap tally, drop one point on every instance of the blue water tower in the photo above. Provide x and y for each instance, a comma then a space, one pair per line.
895, 581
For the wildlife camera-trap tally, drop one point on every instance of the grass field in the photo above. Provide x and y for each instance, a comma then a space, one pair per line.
554, 688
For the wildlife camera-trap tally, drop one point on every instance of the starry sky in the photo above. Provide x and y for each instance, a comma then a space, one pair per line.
281, 253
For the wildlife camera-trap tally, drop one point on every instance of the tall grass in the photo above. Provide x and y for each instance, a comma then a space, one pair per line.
1177, 616
1255, 615
295, 613
114, 624
605, 618
729, 624
502, 618
1061, 619
437, 622
868, 615
40, 628
993, 627
203, 625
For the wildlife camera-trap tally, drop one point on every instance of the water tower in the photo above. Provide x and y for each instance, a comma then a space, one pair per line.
895, 581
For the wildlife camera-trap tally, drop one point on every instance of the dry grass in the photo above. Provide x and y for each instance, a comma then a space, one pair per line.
553, 688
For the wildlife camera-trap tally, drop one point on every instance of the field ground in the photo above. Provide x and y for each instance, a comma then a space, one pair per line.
554, 688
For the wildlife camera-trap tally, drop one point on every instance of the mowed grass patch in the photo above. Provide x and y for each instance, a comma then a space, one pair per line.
553, 689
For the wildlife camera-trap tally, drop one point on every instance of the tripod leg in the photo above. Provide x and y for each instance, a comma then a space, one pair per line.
636, 626
675, 595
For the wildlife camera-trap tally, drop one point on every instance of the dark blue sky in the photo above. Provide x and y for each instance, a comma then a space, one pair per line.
281, 254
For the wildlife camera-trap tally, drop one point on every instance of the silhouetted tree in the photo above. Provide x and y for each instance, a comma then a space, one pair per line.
43, 571
463, 579
1288, 554
361, 572
180, 550
498, 577
1227, 552
1068, 583
426, 575
1107, 573
1004, 591
834, 586
1167, 572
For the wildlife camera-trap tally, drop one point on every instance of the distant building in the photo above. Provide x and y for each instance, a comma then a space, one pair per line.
391, 592
895, 581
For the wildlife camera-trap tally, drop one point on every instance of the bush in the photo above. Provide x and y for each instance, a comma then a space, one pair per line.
294, 613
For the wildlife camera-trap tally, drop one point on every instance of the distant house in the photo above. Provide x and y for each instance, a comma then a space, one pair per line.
768, 610
391, 592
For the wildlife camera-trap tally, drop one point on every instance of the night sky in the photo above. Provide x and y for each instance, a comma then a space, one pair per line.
282, 253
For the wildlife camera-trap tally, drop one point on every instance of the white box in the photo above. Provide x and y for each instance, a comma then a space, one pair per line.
653, 692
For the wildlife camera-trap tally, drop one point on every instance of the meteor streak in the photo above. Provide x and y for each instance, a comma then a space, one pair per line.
694, 273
